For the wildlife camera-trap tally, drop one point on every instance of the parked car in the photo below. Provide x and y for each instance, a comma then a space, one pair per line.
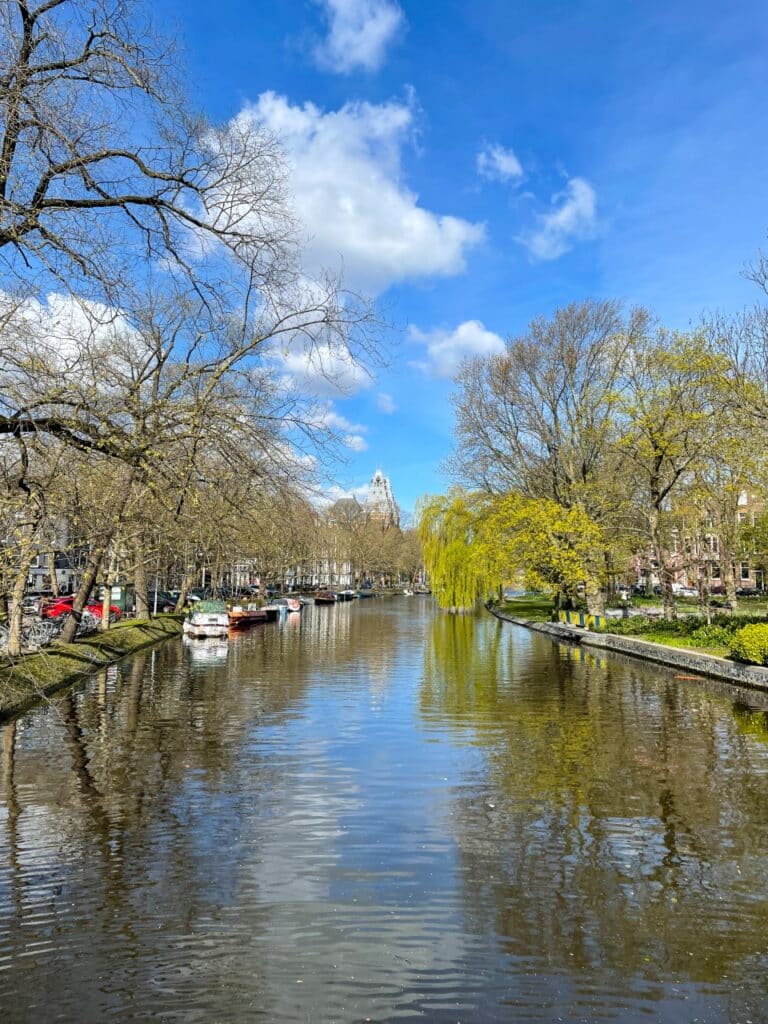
165, 601
747, 591
63, 606
679, 590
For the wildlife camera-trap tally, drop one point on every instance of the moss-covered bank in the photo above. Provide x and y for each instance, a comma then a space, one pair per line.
25, 680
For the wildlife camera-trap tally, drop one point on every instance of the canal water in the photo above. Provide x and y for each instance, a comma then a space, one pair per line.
374, 812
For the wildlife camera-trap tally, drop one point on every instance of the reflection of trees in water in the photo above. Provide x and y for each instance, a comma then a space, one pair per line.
145, 809
147, 779
620, 822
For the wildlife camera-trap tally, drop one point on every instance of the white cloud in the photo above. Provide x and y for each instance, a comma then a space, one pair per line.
496, 163
447, 349
348, 193
356, 443
572, 218
359, 32
350, 433
385, 403
321, 369
335, 493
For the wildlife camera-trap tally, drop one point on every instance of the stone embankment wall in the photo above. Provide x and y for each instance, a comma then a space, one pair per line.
751, 676
27, 679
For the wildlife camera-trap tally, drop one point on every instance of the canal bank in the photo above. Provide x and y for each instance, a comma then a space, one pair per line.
34, 676
750, 676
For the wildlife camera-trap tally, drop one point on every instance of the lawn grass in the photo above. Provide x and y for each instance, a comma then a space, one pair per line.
537, 608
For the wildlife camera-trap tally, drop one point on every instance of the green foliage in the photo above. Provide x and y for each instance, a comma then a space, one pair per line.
472, 543
551, 547
460, 571
750, 644
712, 636
641, 625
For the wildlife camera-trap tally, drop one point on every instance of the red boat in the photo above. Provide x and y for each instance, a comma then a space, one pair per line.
242, 618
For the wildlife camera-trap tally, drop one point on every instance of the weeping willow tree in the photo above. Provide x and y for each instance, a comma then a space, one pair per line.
473, 542
461, 571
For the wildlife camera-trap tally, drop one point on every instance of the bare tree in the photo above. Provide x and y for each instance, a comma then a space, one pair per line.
98, 150
538, 417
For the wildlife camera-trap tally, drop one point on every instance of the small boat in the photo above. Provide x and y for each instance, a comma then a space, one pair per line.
365, 592
346, 595
292, 604
207, 618
407, 592
325, 597
242, 618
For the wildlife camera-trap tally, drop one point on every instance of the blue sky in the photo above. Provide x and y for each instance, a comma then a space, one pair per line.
477, 164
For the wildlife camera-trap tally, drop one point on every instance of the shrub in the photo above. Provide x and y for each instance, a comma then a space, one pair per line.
751, 644
712, 636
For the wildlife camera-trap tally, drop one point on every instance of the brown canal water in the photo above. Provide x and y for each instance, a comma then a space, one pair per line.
375, 812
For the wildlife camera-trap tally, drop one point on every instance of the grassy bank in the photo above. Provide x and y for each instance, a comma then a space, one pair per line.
537, 608
25, 680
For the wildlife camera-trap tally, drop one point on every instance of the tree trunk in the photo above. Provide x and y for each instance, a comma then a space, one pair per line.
182, 593
107, 601
595, 599
140, 580
87, 583
665, 576
15, 604
93, 566
728, 577
55, 589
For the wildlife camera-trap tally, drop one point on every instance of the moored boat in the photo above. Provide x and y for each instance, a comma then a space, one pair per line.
365, 592
207, 618
242, 618
292, 604
346, 595
325, 597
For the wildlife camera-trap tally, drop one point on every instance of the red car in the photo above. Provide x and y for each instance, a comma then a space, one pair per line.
63, 606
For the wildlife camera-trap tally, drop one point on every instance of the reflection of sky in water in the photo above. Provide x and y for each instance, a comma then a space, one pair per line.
206, 650
369, 811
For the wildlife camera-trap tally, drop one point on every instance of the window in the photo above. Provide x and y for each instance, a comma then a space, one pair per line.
715, 572
742, 517
745, 570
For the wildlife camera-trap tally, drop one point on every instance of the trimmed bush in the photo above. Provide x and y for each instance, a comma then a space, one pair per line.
750, 644
712, 636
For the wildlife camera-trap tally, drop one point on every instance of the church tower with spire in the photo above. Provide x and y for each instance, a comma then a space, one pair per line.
380, 506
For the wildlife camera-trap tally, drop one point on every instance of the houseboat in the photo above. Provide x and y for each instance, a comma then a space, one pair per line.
242, 618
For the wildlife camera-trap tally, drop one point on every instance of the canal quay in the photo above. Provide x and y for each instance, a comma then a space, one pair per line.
377, 812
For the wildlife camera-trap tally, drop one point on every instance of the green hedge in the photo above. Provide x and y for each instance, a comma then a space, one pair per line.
750, 644
718, 634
